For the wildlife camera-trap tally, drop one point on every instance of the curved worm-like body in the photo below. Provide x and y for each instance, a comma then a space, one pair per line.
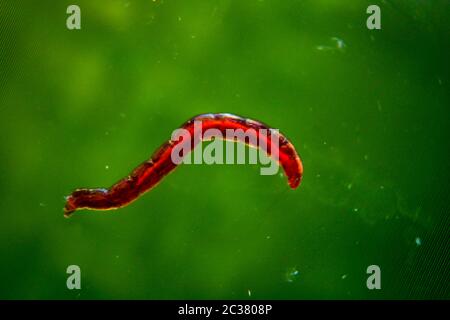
149, 173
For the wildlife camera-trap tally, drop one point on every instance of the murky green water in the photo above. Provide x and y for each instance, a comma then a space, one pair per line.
366, 110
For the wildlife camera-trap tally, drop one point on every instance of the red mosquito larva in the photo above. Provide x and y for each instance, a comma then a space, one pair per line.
161, 163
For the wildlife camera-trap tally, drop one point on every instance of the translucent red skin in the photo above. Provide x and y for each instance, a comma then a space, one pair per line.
150, 172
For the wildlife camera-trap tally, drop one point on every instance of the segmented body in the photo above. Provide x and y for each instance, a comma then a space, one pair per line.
151, 172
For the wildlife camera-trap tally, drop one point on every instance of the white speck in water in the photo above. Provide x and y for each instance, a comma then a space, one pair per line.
179, 18
150, 19
117, 257
349, 186
268, 237
340, 44
418, 241
107, 167
337, 45
381, 187
318, 175
41, 204
292, 274
355, 209
249, 292
344, 276
366, 157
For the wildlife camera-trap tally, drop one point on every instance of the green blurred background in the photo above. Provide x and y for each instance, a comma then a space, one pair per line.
370, 120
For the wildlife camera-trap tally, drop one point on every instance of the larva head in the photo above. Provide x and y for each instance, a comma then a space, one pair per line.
70, 206
85, 198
